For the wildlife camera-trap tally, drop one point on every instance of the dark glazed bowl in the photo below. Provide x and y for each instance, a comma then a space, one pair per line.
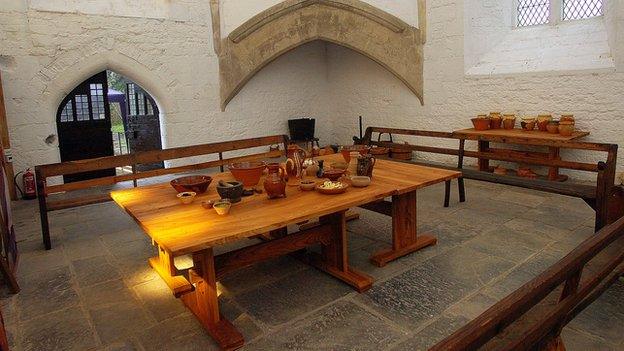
197, 184
333, 174
234, 193
247, 172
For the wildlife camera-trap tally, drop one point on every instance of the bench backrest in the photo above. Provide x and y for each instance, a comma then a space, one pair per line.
532, 316
147, 157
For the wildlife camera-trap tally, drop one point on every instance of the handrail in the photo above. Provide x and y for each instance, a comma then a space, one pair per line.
491, 322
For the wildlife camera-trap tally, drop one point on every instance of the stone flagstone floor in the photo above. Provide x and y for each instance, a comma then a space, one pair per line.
95, 291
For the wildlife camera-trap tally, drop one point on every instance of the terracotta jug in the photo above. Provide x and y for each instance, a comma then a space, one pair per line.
294, 163
275, 181
365, 164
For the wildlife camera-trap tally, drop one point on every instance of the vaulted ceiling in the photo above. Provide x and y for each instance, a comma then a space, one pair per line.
382, 37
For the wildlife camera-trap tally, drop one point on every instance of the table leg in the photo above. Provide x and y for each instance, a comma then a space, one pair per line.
334, 259
553, 172
484, 163
204, 304
405, 238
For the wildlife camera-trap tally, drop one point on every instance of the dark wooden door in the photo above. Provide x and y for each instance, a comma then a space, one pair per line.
84, 126
142, 124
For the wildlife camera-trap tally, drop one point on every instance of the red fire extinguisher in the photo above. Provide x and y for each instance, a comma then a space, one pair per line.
28, 179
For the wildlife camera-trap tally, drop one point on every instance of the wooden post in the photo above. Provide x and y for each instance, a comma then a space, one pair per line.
553, 172
40, 179
484, 163
460, 166
6, 144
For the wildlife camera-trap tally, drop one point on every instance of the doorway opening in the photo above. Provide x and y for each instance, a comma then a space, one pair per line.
107, 114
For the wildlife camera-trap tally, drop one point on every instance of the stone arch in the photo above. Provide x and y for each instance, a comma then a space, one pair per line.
67, 71
384, 38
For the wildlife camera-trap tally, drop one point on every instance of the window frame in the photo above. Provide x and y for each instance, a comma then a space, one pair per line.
556, 15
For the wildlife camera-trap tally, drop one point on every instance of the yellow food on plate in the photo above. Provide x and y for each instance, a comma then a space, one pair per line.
331, 185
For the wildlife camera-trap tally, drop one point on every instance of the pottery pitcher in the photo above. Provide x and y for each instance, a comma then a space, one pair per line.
294, 163
365, 164
275, 181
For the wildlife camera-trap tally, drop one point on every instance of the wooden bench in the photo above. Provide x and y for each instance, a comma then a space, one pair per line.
43, 172
367, 140
604, 196
532, 317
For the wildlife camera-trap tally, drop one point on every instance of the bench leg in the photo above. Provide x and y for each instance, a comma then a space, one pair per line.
45, 224
447, 193
462, 189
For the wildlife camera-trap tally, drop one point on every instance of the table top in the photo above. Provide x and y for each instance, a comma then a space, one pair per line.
519, 133
182, 229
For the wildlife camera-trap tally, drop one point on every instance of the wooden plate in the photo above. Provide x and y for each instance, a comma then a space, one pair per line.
334, 191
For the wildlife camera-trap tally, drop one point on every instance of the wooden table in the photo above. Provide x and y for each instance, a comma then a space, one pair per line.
532, 136
178, 229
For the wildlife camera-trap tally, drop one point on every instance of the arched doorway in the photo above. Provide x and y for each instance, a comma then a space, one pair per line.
107, 115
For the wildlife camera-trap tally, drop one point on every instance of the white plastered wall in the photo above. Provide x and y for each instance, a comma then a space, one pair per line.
48, 47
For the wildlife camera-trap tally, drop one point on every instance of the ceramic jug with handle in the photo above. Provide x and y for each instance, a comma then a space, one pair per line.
365, 164
275, 181
294, 163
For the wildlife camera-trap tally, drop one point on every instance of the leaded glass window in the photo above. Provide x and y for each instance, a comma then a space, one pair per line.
533, 12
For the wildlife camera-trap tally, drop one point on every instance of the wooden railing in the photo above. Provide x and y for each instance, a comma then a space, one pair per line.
603, 197
43, 172
532, 317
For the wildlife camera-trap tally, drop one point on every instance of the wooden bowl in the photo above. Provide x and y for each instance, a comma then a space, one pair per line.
333, 174
401, 154
248, 173
197, 184
333, 191
379, 151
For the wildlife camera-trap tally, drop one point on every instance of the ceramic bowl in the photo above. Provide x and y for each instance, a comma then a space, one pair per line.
509, 122
481, 123
248, 173
208, 204
186, 197
234, 192
339, 165
360, 181
197, 184
307, 185
333, 174
552, 127
348, 149
222, 207
496, 122
331, 191
528, 124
